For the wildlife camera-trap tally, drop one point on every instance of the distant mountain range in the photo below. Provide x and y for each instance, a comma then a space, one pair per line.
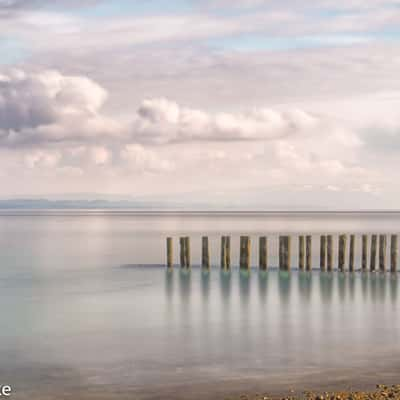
45, 204
168, 205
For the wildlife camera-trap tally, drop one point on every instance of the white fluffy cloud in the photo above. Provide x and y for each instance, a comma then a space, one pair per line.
162, 121
51, 107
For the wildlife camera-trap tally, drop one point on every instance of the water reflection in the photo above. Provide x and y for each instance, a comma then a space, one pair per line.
205, 284
326, 286
305, 285
364, 285
185, 283
382, 285
169, 291
225, 280
352, 279
393, 288
244, 287
345, 287
284, 281
263, 286
341, 285
169, 283
373, 287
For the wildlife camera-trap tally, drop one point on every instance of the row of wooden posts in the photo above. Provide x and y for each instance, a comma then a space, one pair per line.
304, 256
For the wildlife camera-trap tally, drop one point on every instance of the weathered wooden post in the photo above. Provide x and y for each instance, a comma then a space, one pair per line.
372, 261
364, 254
308, 252
263, 253
301, 252
393, 253
244, 252
170, 254
351, 253
187, 252
330, 253
228, 251
205, 253
182, 251
342, 252
223, 252
382, 253
288, 253
322, 253
284, 253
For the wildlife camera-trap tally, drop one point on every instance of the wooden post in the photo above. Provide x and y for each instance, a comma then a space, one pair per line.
182, 251
351, 253
170, 254
244, 252
223, 252
187, 252
330, 253
284, 253
342, 252
228, 251
393, 253
364, 254
288, 253
322, 255
301, 252
205, 253
382, 253
372, 262
308, 252
263, 253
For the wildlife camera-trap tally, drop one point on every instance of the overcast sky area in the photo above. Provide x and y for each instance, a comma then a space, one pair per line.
247, 103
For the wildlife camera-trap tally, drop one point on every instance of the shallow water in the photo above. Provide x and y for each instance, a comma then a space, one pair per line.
85, 313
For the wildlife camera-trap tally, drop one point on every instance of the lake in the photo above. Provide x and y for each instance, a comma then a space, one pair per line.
89, 311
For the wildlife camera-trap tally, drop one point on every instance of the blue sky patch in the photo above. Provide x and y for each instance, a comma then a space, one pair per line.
12, 51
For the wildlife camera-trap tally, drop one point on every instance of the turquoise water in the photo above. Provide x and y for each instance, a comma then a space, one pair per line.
89, 311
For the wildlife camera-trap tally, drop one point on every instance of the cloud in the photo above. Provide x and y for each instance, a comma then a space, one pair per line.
13, 5
161, 121
51, 107
304, 4
138, 158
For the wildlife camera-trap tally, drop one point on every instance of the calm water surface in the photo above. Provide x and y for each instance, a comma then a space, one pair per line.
88, 311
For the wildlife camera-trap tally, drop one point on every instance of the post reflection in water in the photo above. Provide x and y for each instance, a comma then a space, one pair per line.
341, 285
169, 284
250, 317
326, 286
244, 286
305, 286
225, 328
346, 287
262, 286
284, 286
205, 285
225, 280
245, 329
382, 285
393, 288
351, 285
364, 285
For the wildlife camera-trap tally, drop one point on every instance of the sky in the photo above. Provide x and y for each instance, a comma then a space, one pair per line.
246, 103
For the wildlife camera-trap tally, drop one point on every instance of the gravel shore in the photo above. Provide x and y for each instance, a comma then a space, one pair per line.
382, 392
